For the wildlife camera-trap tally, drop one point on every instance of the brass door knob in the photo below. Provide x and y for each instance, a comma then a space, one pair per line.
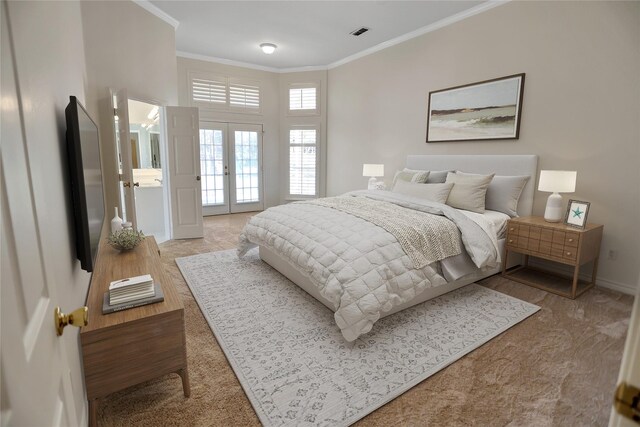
126, 184
77, 318
136, 184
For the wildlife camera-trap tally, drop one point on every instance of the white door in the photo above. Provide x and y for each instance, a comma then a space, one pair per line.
231, 164
183, 144
125, 165
630, 366
36, 378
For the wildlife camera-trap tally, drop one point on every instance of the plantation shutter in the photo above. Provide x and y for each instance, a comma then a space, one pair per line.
302, 162
302, 98
244, 94
209, 90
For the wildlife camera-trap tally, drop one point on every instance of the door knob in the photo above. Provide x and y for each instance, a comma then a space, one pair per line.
197, 177
77, 318
126, 184
136, 184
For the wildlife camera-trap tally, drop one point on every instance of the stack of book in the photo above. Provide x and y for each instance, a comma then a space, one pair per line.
131, 292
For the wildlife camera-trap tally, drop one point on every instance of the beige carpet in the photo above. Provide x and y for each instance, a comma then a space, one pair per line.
558, 368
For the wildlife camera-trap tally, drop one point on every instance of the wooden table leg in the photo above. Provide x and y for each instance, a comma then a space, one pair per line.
93, 412
574, 287
504, 260
186, 386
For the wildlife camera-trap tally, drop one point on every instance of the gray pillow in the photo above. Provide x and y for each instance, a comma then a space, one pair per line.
469, 192
436, 177
411, 175
503, 193
434, 192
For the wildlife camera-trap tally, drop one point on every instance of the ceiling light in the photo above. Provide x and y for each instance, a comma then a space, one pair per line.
268, 48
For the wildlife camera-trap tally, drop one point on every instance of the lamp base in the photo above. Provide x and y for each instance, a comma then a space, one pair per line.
373, 183
554, 211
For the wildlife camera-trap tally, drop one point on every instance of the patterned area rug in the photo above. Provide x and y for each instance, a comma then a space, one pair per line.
294, 364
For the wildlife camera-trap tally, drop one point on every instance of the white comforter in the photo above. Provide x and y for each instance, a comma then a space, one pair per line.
358, 266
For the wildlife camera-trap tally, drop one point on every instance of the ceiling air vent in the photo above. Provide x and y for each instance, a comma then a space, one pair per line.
359, 31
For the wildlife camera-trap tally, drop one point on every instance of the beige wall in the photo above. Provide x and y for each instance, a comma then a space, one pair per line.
580, 112
268, 117
126, 47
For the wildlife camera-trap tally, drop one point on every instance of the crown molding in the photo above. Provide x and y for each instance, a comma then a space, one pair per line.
421, 31
151, 8
216, 60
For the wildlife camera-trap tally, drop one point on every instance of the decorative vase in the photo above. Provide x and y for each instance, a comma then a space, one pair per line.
116, 222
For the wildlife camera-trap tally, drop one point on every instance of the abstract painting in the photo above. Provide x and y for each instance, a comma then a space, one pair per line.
478, 111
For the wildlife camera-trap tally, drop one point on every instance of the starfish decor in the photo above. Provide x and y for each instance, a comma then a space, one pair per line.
577, 213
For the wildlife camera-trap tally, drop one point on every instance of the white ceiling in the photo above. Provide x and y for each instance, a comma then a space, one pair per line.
138, 112
308, 33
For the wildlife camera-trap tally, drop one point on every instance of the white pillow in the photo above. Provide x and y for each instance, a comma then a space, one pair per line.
434, 192
503, 192
411, 175
468, 192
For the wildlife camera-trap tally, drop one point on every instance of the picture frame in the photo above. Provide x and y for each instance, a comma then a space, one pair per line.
577, 211
486, 110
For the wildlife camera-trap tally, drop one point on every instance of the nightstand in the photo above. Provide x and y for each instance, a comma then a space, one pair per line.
532, 236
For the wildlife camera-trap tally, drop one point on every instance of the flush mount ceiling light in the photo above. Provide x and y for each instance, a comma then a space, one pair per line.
268, 48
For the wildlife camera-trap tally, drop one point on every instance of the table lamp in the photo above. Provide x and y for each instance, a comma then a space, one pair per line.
556, 182
372, 171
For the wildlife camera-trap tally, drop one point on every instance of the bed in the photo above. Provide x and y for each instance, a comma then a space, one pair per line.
298, 251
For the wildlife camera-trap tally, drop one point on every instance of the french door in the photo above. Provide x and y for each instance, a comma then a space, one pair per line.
231, 167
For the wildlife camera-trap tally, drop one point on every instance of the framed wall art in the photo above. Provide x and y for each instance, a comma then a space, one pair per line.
577, 212
479, 111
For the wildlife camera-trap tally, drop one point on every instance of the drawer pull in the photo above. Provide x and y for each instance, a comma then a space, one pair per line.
568, 253
510, 241
511, 229
570, 240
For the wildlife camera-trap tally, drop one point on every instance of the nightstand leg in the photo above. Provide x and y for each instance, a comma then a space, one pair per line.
574, 287
504, 260
595, 271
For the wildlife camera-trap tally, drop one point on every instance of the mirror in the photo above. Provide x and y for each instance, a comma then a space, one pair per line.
145, 135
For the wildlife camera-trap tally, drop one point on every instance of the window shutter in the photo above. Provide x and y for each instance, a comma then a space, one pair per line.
302, 162
244, 95
303, 98
209, 91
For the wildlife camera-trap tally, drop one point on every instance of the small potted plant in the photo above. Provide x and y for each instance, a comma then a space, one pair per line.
125, 239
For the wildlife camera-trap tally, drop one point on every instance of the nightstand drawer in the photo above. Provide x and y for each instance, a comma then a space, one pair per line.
534, 233
523, 230
571, 239
512, 230
546, 235
558, 237
557, 250
523, 242
570, 253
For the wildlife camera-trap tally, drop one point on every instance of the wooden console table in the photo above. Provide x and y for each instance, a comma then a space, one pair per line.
128, 347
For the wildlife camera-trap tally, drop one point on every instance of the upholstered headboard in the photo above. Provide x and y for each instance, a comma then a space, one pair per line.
485, 164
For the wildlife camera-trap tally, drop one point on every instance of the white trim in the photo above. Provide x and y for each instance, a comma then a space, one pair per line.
420, 31
153, 9
196, 56
601, 282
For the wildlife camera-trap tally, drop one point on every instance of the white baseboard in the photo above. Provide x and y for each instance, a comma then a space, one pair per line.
568, 271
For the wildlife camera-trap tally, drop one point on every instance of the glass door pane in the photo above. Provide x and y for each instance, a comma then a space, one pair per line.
214, 168
247, 168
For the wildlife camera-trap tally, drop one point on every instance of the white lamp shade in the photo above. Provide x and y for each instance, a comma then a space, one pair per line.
372, 170
557, 181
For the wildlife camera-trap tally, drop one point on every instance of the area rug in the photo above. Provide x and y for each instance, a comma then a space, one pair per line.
292, 360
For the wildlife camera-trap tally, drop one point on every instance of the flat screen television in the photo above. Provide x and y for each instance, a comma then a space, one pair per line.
85, 172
